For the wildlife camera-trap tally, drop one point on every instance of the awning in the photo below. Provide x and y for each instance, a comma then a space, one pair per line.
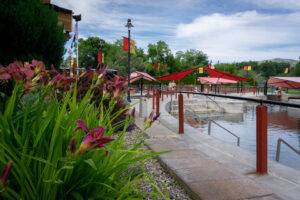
134, 76
215, 81
287, 82
177, 76
219, 74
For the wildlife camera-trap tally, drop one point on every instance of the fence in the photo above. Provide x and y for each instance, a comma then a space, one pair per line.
261, 117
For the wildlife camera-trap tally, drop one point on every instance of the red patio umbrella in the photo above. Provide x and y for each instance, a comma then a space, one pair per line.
287, 82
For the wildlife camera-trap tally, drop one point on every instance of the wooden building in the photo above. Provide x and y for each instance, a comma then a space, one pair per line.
64, 17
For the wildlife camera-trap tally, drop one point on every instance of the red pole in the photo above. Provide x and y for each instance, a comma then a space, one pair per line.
153, 99
157, 101
180, 114
148, 91
254, 87
167, 92
261, 140
188, 94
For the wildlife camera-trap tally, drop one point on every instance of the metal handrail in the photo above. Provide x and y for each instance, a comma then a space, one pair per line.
287, 144
261, 101
223, 110
209, 130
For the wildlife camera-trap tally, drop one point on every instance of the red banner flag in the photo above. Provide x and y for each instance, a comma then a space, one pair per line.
209, 66
164, 66
155, 66
245, 67
99, 57
125, 44
291, 68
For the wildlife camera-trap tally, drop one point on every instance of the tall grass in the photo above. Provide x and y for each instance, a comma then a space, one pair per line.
35, 132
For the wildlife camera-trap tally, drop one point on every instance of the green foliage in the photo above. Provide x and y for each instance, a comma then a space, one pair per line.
29, 31
88, 51
228, 68
296, 70
193, 58
114, 56
35, 133
269, 68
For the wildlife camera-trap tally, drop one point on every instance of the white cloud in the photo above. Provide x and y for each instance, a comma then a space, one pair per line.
240, 36
243, 36
107, 18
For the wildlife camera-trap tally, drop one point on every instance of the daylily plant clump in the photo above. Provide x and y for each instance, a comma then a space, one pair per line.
63, 137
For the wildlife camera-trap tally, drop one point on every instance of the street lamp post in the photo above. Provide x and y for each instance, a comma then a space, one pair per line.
77, 19
129, 26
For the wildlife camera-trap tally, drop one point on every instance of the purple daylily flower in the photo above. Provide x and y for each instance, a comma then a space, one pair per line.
93, 138
151, 119
4, 175
3, 73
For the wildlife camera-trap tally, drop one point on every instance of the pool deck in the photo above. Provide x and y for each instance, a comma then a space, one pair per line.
209, 168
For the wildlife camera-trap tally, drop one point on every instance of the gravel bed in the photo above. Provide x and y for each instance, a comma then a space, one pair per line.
160, 175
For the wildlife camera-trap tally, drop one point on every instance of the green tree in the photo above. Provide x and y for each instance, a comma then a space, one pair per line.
296, 70
121, 63
226, 67
159, 53
192, 58
29, 31
88, 51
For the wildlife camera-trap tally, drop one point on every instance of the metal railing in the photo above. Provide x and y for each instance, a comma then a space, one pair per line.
223, 110
260, 101
261, 121
287, 144
209, 130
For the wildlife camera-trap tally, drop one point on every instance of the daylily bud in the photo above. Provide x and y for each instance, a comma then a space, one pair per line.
133, 113
72, 146
5, 174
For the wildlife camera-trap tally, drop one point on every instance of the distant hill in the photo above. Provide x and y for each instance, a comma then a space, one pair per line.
279, 60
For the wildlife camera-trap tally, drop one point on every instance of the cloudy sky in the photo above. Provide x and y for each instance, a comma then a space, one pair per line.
226, 30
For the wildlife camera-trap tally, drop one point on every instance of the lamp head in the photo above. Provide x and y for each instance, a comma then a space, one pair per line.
129, 24
101, 43
77, 17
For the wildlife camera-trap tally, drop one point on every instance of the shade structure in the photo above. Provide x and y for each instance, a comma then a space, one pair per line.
215, 81
219, 74
287, 82
134, 76
177, 76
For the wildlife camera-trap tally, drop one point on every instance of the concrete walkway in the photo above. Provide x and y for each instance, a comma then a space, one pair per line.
212, 169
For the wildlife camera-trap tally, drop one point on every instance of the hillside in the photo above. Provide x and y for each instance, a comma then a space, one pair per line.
290, 61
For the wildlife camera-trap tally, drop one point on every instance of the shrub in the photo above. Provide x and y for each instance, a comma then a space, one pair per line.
49, 159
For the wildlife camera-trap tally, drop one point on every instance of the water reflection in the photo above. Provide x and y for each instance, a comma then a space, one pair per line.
283, 123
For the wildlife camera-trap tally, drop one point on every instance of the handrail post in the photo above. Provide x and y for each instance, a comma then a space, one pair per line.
278, 149
157, 101
209, 126
261, 140
180, 114
153, 99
